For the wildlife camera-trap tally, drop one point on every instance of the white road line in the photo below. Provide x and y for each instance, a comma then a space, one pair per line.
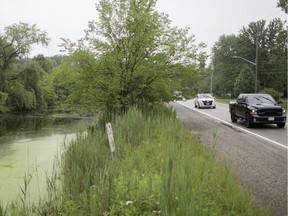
232, 125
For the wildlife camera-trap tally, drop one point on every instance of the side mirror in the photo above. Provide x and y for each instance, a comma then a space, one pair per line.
240, 101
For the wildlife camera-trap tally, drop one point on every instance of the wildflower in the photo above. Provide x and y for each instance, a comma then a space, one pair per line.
129, 202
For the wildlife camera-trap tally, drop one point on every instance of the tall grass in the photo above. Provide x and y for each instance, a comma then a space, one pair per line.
159, 168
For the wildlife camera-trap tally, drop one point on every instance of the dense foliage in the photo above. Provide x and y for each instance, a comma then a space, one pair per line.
244, 82
20, 81
283, 4
231, 53
21, 78
131, 54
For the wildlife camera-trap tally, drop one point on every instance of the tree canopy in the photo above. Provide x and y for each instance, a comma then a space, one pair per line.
132, 54
270, 40
244, 82
20, 79
283, 4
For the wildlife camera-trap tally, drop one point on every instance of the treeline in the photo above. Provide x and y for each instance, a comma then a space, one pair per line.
24, 88
22, 79
234, 58
130, 55
133, 54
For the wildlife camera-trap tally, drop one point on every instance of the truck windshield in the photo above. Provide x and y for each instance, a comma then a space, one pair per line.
260, 99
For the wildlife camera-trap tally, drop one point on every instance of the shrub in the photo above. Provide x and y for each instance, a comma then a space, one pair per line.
275, 94
3, 99
244, 82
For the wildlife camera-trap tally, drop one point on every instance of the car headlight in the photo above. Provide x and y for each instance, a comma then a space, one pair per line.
253, 112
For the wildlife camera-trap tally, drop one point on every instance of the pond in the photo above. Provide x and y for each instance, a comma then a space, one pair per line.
29, 147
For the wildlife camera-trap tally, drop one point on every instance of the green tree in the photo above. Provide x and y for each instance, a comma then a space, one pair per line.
60, 85
275, 68
17, 42
56, 60
133, 55
20, 78
3, 98
45, 62
283, 4
272, 52
244, 82
275, 94
24, 91
225, 67
270, 38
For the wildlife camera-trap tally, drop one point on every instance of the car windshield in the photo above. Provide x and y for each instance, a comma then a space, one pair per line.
205, 96
260, 99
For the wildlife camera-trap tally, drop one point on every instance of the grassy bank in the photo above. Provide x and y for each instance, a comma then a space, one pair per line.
159, 168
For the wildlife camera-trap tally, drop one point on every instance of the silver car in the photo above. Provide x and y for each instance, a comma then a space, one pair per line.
204, 100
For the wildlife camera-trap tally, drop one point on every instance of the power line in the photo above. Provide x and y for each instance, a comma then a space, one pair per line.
277, 12
273, 73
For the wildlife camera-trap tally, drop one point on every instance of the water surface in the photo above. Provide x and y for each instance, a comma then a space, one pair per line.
29, 146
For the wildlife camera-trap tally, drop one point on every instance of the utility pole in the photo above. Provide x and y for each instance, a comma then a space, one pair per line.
211, 84
256, 58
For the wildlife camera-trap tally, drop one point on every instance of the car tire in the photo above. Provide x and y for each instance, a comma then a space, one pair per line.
195, 105
281, 125
248, 122
233, 118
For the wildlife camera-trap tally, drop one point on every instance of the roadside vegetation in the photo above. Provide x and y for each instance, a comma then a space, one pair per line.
132, 55
158, 168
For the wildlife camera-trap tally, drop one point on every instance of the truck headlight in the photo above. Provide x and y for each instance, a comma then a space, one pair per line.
253, 112
283, 111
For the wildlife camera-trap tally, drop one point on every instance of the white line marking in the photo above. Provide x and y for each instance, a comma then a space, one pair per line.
232, 125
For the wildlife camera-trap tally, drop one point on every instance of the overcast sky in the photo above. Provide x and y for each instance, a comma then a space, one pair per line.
207, 19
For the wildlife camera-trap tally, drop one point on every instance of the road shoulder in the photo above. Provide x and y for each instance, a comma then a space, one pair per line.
263, 168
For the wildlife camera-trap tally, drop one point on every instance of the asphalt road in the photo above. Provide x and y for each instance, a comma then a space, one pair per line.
270, 132
257, 156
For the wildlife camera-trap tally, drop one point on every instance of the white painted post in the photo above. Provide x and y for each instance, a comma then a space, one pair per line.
110, 138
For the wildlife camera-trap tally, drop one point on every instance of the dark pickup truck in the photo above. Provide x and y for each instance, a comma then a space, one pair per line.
257, 109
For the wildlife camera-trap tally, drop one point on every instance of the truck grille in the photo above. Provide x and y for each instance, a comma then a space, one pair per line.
270, 112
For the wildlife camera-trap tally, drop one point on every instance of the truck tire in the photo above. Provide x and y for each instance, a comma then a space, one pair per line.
281, 125
233, 118
248, 122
